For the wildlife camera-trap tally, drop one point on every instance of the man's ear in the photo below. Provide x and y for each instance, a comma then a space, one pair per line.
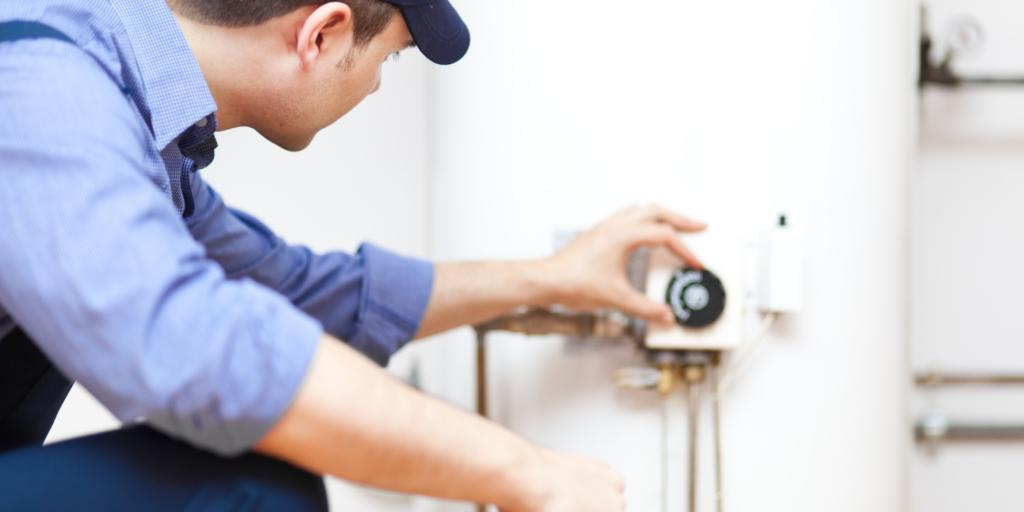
330, 24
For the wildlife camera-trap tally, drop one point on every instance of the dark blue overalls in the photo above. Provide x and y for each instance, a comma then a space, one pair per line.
132, 469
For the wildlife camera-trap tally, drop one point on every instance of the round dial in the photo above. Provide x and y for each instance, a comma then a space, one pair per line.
697, 297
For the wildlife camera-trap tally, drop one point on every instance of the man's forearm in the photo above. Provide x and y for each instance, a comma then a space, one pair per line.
588, 273
353, 421
468, 293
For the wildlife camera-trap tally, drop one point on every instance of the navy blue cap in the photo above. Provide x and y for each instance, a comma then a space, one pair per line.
437, 29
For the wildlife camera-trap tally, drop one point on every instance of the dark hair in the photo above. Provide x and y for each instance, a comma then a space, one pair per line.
371, 17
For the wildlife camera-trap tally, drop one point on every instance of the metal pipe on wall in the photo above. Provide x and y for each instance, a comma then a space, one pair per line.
970, 432
935, 427
937, 379
543, 321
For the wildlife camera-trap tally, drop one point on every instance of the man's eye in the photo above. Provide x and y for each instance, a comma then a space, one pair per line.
394, 56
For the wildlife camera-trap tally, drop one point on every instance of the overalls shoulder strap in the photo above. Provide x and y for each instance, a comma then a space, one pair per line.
31, 388
17, 30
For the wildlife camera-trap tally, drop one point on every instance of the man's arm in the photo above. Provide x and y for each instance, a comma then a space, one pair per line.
373, 299
587, 274
99, 270
352, 421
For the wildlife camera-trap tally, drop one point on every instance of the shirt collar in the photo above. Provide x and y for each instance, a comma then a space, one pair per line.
175, 89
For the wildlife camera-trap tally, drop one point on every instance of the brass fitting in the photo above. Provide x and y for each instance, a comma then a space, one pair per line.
668, 378
694, 373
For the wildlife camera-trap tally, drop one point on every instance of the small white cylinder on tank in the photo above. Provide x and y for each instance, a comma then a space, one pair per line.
732, 112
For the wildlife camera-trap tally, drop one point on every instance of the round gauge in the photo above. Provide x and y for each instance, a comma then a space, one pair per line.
697, 297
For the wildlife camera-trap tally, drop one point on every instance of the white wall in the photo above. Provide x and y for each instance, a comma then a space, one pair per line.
731, 112
967, 281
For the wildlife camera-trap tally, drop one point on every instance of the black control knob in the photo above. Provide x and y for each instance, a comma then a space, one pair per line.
697, 297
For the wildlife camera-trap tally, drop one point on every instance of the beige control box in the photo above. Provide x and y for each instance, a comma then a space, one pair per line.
722, 254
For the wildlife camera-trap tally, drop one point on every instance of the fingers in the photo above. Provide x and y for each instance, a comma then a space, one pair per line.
638, 304
655, 213
665, 236
578, 484
618, 482
684, 253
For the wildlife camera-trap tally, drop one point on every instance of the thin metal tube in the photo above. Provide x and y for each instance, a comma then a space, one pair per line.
718, 432
968, 432
694, 411
664, 453
481, 384
481, 375
980, 80
746, 352
935, 379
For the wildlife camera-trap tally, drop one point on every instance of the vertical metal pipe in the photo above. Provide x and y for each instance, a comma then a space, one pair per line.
718, 431
481, 384
664, 453
694, 410
481, 374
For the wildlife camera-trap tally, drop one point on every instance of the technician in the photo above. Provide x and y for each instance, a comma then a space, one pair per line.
216, 342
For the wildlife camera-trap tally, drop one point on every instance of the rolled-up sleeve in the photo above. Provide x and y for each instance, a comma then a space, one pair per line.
99, 269
373, 299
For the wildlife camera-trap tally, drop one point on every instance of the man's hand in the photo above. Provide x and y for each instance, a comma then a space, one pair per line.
590, 272
576, 484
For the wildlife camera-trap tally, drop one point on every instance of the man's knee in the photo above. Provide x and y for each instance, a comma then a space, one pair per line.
254, 482
290, 490
140, 469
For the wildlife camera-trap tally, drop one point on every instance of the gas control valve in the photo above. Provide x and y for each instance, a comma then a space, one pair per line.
697, 297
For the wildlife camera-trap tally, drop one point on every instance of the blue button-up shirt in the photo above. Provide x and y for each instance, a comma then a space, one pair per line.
128, 271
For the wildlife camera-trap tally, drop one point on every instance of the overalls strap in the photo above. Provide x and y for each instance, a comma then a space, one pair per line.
17, 30
31, 388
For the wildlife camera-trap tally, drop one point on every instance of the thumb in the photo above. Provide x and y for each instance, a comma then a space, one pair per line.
637, 304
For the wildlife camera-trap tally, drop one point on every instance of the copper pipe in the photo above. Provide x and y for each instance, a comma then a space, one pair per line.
481, 384
481, 374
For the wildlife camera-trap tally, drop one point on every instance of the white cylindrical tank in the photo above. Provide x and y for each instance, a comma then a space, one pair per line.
732, 112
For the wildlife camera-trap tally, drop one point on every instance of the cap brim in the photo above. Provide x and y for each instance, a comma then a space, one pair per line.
438, 31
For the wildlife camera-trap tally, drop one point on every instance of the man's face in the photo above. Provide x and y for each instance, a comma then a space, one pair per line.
317, 99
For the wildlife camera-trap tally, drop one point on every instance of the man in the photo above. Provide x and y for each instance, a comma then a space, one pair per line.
121, 269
